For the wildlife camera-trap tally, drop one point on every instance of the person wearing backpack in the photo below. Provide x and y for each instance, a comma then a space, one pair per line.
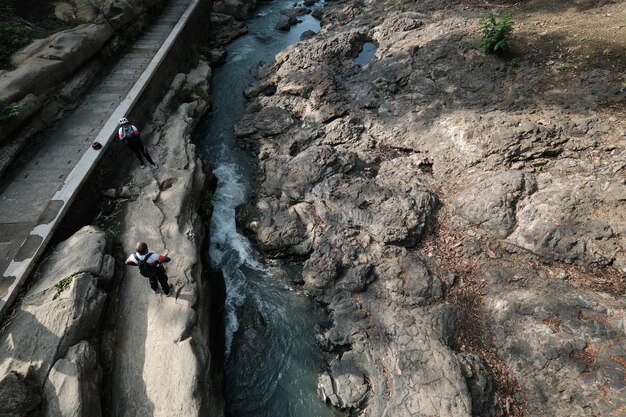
129, 134
150, 266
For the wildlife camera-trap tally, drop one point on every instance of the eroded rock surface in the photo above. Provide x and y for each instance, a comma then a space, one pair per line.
162, 360
48, 331
431, 171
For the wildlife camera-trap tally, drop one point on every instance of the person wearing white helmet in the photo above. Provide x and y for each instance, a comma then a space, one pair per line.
129, 134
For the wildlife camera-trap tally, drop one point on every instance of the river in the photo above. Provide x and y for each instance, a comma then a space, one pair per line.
275, 373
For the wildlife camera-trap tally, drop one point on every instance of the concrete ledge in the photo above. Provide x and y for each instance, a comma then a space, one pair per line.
34, 245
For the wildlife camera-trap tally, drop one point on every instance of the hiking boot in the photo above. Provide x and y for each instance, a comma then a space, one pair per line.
171, 292
154, 166
156, 290
142, 166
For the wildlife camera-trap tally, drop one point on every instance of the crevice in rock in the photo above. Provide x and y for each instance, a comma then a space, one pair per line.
465, 289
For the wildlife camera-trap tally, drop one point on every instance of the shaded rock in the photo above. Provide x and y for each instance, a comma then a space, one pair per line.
53, 59
295, 177
286, 23
73, 385
405, 279
390, 216
317, 13
119, 13
269, 121
261, 70
480, 384
239, 9
349, 381
322, 268
262, 88
491, 200
307, 34
61, 308
225, 28
296, 11
217, 57
18, 399
279, 231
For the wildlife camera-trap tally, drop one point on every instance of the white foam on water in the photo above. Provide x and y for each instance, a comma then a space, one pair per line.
229, 250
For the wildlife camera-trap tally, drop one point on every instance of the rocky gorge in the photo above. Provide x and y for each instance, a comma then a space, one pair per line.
461, 219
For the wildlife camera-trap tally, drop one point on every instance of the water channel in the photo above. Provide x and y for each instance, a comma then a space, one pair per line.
275, 373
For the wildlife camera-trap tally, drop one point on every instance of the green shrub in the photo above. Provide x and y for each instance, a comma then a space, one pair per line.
496, 33
199, 91
62, 286
113, 237
8, 110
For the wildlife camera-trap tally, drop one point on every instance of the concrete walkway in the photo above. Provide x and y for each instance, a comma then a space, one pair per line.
34, 203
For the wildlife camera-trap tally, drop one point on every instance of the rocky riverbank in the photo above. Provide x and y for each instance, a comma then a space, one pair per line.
461, 218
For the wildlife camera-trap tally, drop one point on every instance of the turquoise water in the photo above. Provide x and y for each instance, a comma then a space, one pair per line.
276, 374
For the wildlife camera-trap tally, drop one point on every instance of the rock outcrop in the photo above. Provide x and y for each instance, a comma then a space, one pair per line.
239, 9
46, 342
162, 362
453, 218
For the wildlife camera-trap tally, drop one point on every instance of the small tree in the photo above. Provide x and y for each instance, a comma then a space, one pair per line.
496, 33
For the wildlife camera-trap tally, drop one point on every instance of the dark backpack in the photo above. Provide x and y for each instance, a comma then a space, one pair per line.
146, 269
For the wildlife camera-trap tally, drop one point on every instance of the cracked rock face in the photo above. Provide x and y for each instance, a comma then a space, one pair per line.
59, 311
566, 343
435, 161
161, 357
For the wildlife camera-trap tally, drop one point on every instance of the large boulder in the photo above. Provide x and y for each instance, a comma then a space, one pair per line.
224, 28
62, 307
73, 385
46, 63
239, 9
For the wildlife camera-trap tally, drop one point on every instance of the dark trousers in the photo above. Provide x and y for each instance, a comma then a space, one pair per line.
161, 277
139, 149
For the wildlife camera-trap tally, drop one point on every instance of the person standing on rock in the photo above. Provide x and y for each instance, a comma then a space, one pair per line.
129, 134
150, 266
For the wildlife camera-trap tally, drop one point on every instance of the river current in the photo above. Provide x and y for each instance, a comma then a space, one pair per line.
277, 375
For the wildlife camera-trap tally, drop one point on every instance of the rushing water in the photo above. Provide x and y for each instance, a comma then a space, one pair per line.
275, 375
